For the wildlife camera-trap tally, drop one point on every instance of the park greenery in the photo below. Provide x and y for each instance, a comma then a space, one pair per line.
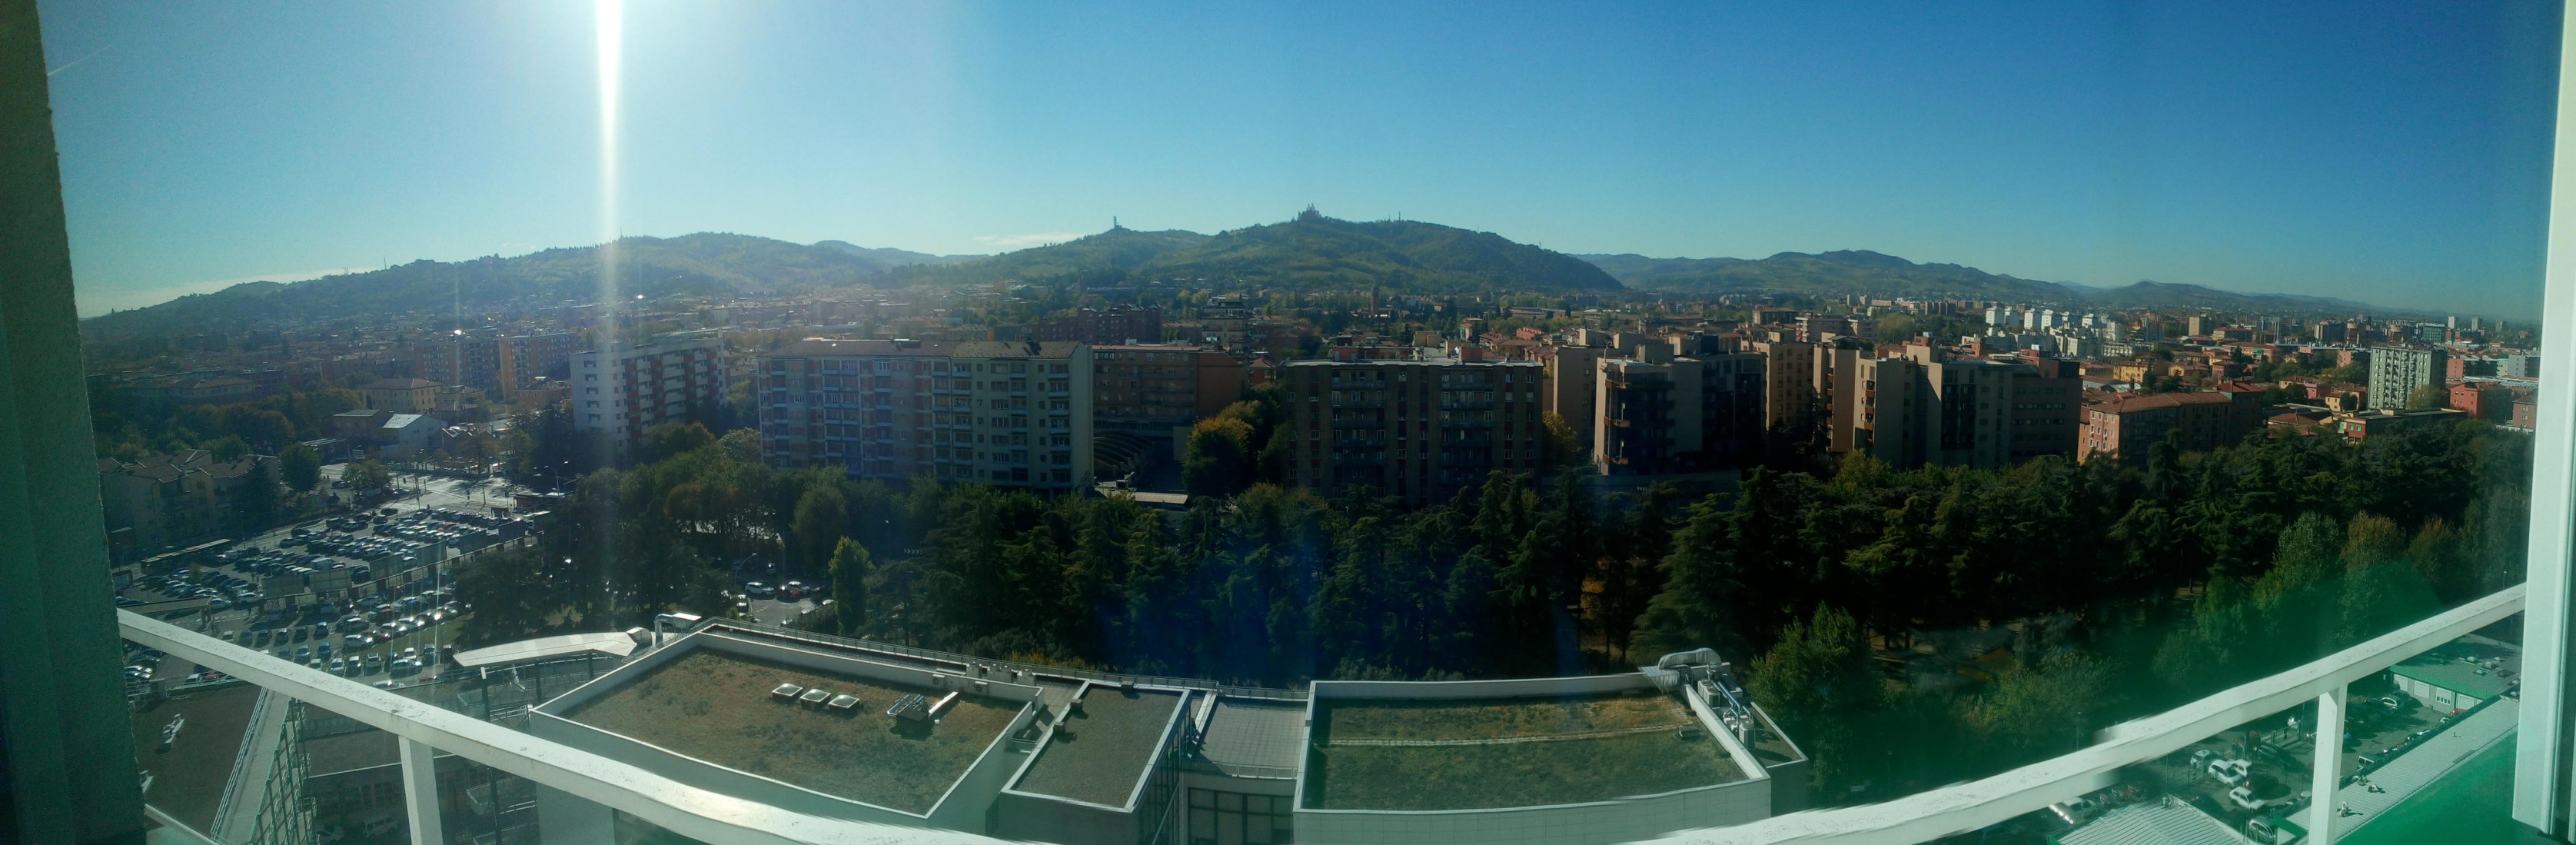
1908, 628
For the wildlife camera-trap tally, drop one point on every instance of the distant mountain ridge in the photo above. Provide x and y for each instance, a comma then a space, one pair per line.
1310, 251
1879, 274
702, 264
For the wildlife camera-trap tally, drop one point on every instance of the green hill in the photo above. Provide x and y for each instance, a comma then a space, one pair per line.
1837, 272
1311, 251
1876, 274
701, 264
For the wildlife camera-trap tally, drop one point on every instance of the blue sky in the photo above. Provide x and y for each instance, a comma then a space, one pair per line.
2395, 154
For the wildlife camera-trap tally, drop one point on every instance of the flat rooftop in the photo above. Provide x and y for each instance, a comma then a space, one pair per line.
1418, 754
1102, 750
2472, 664
715, 706
188, 777
1248, 737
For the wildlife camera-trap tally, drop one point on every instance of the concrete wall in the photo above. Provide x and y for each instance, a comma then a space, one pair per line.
1509, 688
1600, 822
1595, 822
1024, 816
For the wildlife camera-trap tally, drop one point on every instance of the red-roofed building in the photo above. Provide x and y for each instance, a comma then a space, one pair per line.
2126, 425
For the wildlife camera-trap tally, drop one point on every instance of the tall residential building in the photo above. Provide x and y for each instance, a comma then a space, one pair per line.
2047, 406
630, 387
1923, 409
526, 358
1663, 413
1567, 388
470, 360
2395, 372
2125, 425
1788, 381
1152, 390
1015, 414
1415, 429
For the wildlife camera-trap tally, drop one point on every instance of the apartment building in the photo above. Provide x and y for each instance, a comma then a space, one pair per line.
2395, 373
1415, 429
1015, 414
1152, 389
2047, 407
1788, 381
629, 387
166, 499
526, 358
473, 360
1666, 413
1925, 409
2124, 426
1567, 387
402, 395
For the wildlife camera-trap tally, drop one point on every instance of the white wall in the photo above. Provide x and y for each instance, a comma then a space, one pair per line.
1568, 824
1597, 822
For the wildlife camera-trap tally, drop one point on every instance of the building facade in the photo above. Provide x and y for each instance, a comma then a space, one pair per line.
526, 358
2125, 426
626, 388
1923, 409
2395, 373
1013, 414
2047, 407
1152, 389
402, 395
1414, 429
1668, 413
1788, 381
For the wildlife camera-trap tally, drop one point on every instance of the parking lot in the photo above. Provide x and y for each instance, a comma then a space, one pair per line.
361, 595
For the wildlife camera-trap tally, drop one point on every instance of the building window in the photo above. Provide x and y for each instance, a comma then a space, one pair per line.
1233, 817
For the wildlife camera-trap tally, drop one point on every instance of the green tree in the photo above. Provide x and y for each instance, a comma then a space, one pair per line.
514, 594
1218, 459
820, 515
671, 438
253, 501
1813, 680
302, 467
367, 475
851, 568
1562, 447
2427, 397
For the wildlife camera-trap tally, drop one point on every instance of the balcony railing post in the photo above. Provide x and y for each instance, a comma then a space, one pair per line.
420, 792
2326, 773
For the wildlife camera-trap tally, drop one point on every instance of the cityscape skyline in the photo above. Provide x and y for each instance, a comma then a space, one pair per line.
2397, 158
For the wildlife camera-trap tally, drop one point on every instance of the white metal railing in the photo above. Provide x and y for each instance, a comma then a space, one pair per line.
713, 817
680, 808
1965, 807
